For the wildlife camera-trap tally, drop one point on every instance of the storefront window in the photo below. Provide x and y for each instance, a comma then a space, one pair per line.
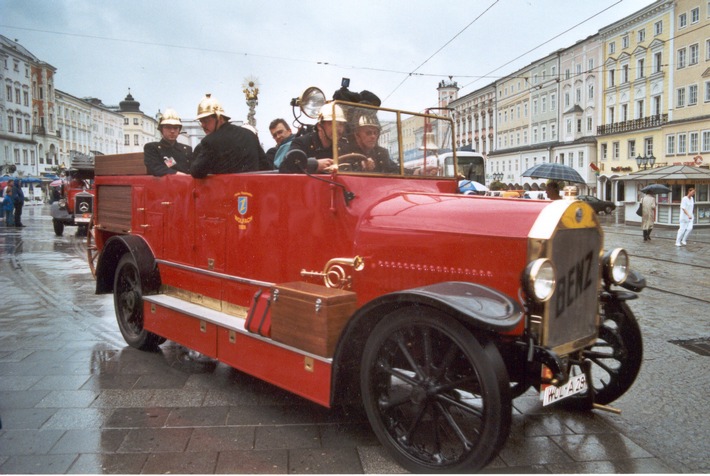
677, 193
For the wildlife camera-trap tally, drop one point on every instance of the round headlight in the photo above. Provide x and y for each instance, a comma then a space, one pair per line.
539, 279
311, 102
616, 266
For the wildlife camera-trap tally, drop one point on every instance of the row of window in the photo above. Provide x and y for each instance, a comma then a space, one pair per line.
688, 143
513, 165
631, 149
640, 36
28, 157
688, 96
625, 70
14, 125
639, 110
21, 97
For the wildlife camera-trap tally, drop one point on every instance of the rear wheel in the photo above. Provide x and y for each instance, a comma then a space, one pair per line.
608, 210
436, 397
128, 302
617, 354
58, 227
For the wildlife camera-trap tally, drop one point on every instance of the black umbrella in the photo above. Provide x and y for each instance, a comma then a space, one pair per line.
554, 172
655, 188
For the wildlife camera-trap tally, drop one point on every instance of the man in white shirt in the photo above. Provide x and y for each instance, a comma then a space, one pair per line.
686, 217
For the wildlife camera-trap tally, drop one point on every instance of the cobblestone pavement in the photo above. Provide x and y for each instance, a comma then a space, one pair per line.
75, 399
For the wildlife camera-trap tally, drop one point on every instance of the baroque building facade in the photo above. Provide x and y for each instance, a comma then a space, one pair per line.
637, 91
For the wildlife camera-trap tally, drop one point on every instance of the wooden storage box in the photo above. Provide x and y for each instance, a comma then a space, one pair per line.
310, 317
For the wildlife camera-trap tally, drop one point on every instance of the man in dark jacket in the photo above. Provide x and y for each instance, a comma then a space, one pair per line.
226, 148
18, 198
318, 145
168, 156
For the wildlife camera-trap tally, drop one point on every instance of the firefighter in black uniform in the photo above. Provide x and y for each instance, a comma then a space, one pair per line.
363, 143
168, 156
226, 148
318, 145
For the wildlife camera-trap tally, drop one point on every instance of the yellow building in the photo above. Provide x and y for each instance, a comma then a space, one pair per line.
636, 99
686, 135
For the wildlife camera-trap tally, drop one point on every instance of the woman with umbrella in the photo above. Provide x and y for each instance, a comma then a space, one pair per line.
648, 215
648, 208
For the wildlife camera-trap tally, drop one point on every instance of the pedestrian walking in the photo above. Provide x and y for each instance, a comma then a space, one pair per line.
648, 209
18, 198
686, 217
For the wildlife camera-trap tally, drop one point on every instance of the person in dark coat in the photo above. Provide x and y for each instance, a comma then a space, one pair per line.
168, 156
364, 143
318, 145
18, 199
226, 148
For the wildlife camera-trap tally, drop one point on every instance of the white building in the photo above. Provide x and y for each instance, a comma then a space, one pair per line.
17, 146
73, 127
106, 129
138, 128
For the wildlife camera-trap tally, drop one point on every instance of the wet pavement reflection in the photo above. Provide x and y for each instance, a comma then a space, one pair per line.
74, 398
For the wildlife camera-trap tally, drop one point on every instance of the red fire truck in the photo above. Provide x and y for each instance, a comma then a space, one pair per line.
75, 203
432, 308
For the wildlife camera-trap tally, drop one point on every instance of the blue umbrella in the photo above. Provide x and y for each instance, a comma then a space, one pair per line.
27, 180
471, 186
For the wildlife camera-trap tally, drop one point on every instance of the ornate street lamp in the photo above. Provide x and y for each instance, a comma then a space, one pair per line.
645, 161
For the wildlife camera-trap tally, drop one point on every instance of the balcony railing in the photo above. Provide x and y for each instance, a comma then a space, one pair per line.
633, 125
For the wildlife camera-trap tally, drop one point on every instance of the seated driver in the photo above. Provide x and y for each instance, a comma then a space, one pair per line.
364, 153
317, 146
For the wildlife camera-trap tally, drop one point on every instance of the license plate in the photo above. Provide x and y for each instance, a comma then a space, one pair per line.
552, 394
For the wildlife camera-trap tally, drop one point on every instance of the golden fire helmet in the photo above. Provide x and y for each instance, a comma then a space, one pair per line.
169, 117
209, 106
326, 113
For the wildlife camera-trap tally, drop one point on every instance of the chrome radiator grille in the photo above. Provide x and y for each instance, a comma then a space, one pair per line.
571, 316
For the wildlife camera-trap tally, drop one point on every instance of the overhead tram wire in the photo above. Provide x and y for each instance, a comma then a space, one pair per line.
545, 42
441, 48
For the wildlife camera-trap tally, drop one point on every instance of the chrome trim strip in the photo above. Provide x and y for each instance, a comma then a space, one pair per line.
214, 274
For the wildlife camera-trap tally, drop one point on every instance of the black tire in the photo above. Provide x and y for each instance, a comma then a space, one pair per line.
608, 210
128, 303
617, 354
436, 397
58, 227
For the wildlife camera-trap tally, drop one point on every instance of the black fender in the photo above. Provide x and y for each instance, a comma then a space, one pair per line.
635, 281
60, 214
111, 254
476, 306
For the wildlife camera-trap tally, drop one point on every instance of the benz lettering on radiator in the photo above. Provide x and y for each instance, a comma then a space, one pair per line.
574, 282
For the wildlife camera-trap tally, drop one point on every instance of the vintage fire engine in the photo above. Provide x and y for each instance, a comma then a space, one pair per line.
432, 308
75, 205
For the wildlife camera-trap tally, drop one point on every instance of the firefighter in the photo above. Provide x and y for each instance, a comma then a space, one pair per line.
364, 142
168, 156
226, 148
318, 145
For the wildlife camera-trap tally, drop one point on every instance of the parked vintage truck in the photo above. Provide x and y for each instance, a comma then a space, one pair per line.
432, 308
75, 203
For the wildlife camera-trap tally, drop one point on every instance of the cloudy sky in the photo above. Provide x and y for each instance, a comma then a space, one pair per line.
170, 53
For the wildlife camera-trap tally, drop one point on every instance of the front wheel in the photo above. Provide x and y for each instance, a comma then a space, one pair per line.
617, 354
128, 302
436, 397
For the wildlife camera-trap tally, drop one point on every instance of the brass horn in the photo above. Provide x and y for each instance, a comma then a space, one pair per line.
334, 273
